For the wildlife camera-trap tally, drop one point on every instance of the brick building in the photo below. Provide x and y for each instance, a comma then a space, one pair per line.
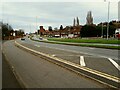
67, 32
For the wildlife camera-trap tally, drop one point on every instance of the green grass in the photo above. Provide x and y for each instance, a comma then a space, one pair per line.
84, 45
102, 41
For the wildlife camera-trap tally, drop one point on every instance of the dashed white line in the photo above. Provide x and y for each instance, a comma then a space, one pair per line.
53, 55
82, 62
91, 48
114, 63
36, 45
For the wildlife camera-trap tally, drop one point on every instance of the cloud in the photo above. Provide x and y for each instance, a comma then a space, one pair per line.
28, 14
58, 0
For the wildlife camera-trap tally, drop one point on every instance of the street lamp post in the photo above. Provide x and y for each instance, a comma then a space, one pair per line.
108, 20
36, 23
102, 31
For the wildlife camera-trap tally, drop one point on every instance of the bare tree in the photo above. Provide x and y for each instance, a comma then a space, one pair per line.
77, 22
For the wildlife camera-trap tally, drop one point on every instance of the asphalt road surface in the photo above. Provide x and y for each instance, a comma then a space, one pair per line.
39, 73
98, 60
85, 50
0, 64
8, 78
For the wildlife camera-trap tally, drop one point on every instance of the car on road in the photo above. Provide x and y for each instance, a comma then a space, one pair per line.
22, 38
41, 38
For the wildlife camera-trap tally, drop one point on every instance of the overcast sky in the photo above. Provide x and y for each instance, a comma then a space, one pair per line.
30, 15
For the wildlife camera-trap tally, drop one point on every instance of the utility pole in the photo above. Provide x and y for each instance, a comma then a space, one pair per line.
108, 18
30, 28
8, 27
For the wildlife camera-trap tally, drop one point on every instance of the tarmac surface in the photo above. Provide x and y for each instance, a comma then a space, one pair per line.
101, 64
8, 79
39, 73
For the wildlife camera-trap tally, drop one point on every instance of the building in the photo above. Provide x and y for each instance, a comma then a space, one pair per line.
42, 31
117, 33
67, 32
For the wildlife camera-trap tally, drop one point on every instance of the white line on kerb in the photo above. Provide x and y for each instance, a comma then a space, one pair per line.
82, 62
114, 63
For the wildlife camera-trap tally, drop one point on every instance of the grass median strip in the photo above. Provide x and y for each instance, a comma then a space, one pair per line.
86, 40
84, 45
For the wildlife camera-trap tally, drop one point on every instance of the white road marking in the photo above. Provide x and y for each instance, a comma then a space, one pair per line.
96, 55
82, 62
114, 63
36, 45
91, 48
53, 55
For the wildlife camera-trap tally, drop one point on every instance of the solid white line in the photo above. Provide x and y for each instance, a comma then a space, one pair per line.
82, 62
114, 63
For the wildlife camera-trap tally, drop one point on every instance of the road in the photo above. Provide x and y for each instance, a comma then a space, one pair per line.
85, 50
94, 58
0, 64
36, 72
8, 78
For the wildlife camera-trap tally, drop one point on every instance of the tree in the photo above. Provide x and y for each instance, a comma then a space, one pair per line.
74, 22
50, 28
6, 29
77, 21
55, 28
21, 32
61, 27
89, 31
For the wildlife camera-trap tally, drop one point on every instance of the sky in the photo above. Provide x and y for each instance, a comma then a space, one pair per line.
29, 15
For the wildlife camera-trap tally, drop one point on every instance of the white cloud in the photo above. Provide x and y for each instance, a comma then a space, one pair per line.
23, 14
59, 0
